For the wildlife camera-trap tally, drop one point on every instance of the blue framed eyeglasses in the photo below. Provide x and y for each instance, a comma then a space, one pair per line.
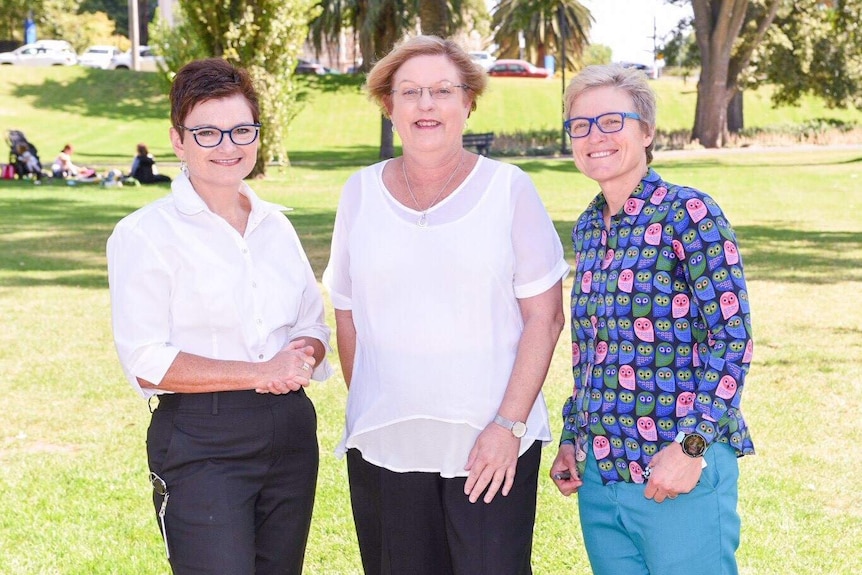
210, 136
606, 123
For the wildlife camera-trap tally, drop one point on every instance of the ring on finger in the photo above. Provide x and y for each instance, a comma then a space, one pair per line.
305, 366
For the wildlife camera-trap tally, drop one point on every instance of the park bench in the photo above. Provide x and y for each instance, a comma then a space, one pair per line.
482, 142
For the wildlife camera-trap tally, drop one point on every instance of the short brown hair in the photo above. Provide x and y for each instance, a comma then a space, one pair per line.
379, 81
209, 79
628, 79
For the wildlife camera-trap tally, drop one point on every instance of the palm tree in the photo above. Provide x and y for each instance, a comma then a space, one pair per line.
379, 25
543, 24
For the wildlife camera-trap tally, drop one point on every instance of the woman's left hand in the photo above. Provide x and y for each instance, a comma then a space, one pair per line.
292, 367
492, 463
672, 473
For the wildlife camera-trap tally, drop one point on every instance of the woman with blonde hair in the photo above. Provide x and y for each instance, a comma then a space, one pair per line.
445, 274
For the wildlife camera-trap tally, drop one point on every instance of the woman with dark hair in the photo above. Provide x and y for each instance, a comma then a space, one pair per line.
144, 168
446, 276
216, 312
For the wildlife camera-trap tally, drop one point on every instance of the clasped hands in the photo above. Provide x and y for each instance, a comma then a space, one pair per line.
289, 370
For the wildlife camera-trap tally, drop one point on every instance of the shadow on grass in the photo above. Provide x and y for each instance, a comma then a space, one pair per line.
52, 241
61, 242
55, 240
341, 157
314, 228
114, 94
782, 254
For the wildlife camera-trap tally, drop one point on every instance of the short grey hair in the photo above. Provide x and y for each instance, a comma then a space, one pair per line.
633, 81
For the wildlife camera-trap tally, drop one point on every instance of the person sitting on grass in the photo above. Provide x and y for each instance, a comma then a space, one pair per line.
144, 168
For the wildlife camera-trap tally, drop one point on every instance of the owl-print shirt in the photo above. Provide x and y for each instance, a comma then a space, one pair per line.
661, 329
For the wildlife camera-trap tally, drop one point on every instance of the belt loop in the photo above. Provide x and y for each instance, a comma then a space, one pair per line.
150, 404
215, 403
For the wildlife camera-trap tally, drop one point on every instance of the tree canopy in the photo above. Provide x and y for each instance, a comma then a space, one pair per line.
543, 24
264, 37
816, 47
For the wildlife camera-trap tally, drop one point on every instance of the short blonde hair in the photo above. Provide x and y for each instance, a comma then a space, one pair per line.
631, 80
379, 81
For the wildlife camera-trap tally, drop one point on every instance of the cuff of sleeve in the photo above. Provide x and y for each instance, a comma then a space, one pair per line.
151, 365
339, 301
541, 285
322, 371
567, 438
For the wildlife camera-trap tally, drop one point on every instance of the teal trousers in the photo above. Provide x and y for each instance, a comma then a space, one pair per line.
698, 532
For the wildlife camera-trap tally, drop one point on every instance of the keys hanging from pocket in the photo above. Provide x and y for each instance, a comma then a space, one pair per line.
161, 488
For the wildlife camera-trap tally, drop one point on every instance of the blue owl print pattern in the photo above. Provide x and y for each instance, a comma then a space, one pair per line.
661, 329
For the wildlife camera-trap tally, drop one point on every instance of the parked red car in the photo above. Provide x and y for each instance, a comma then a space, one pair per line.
518, 68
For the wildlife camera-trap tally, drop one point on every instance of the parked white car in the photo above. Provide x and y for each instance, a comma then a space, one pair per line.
41, 53
484, 59
147, 60
98, 56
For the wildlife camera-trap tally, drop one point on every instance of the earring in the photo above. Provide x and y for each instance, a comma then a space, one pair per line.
466, 125
184, 168
394, 129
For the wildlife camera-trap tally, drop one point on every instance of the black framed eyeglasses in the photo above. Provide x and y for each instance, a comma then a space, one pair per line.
440, 91
210, 136
609, 123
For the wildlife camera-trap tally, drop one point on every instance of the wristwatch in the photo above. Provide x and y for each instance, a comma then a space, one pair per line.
693, 444
518, 428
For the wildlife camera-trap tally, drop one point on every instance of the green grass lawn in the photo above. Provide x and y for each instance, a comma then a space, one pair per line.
72, 457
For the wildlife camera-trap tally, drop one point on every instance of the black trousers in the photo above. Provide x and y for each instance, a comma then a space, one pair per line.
423, 524
240, 470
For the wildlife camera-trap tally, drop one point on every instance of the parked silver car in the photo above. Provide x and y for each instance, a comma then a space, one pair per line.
41, 53
98, 56
147, 60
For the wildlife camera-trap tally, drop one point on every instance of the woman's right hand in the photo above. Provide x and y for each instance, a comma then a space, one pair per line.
289, 370
565, 464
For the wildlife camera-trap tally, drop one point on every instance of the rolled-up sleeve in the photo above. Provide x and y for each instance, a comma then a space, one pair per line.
539, 259
139, 284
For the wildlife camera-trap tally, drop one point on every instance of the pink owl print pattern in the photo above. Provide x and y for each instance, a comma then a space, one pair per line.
661, 329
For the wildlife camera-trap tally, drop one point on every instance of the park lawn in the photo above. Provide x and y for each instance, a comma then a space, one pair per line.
72, 458
106, 113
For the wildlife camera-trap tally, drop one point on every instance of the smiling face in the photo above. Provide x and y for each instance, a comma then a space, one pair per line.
429, 124
610, 159
227, 164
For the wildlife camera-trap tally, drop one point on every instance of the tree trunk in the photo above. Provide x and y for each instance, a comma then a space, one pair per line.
724, 53
144, 22
434, 17
717, 24
387, 140
735, 118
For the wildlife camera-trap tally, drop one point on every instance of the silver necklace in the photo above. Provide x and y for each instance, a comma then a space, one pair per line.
423, 217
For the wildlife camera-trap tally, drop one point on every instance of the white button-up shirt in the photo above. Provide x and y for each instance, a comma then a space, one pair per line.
182, 279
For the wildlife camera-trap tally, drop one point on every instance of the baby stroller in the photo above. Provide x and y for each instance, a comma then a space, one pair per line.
23, 155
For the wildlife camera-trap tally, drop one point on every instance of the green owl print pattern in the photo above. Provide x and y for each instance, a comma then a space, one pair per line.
661, 329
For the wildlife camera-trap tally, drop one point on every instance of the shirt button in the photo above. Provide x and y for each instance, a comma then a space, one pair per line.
259, 321
254, 284
260, 356
245, 250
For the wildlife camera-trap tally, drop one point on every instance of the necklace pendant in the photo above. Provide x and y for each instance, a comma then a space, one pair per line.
423, 221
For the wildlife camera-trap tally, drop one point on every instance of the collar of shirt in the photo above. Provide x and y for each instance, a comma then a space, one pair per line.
642, 193
190, 203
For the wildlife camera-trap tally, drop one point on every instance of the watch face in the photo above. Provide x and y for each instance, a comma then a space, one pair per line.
519, 429
694, 445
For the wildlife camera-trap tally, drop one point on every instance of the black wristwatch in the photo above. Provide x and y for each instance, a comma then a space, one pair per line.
693, 444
